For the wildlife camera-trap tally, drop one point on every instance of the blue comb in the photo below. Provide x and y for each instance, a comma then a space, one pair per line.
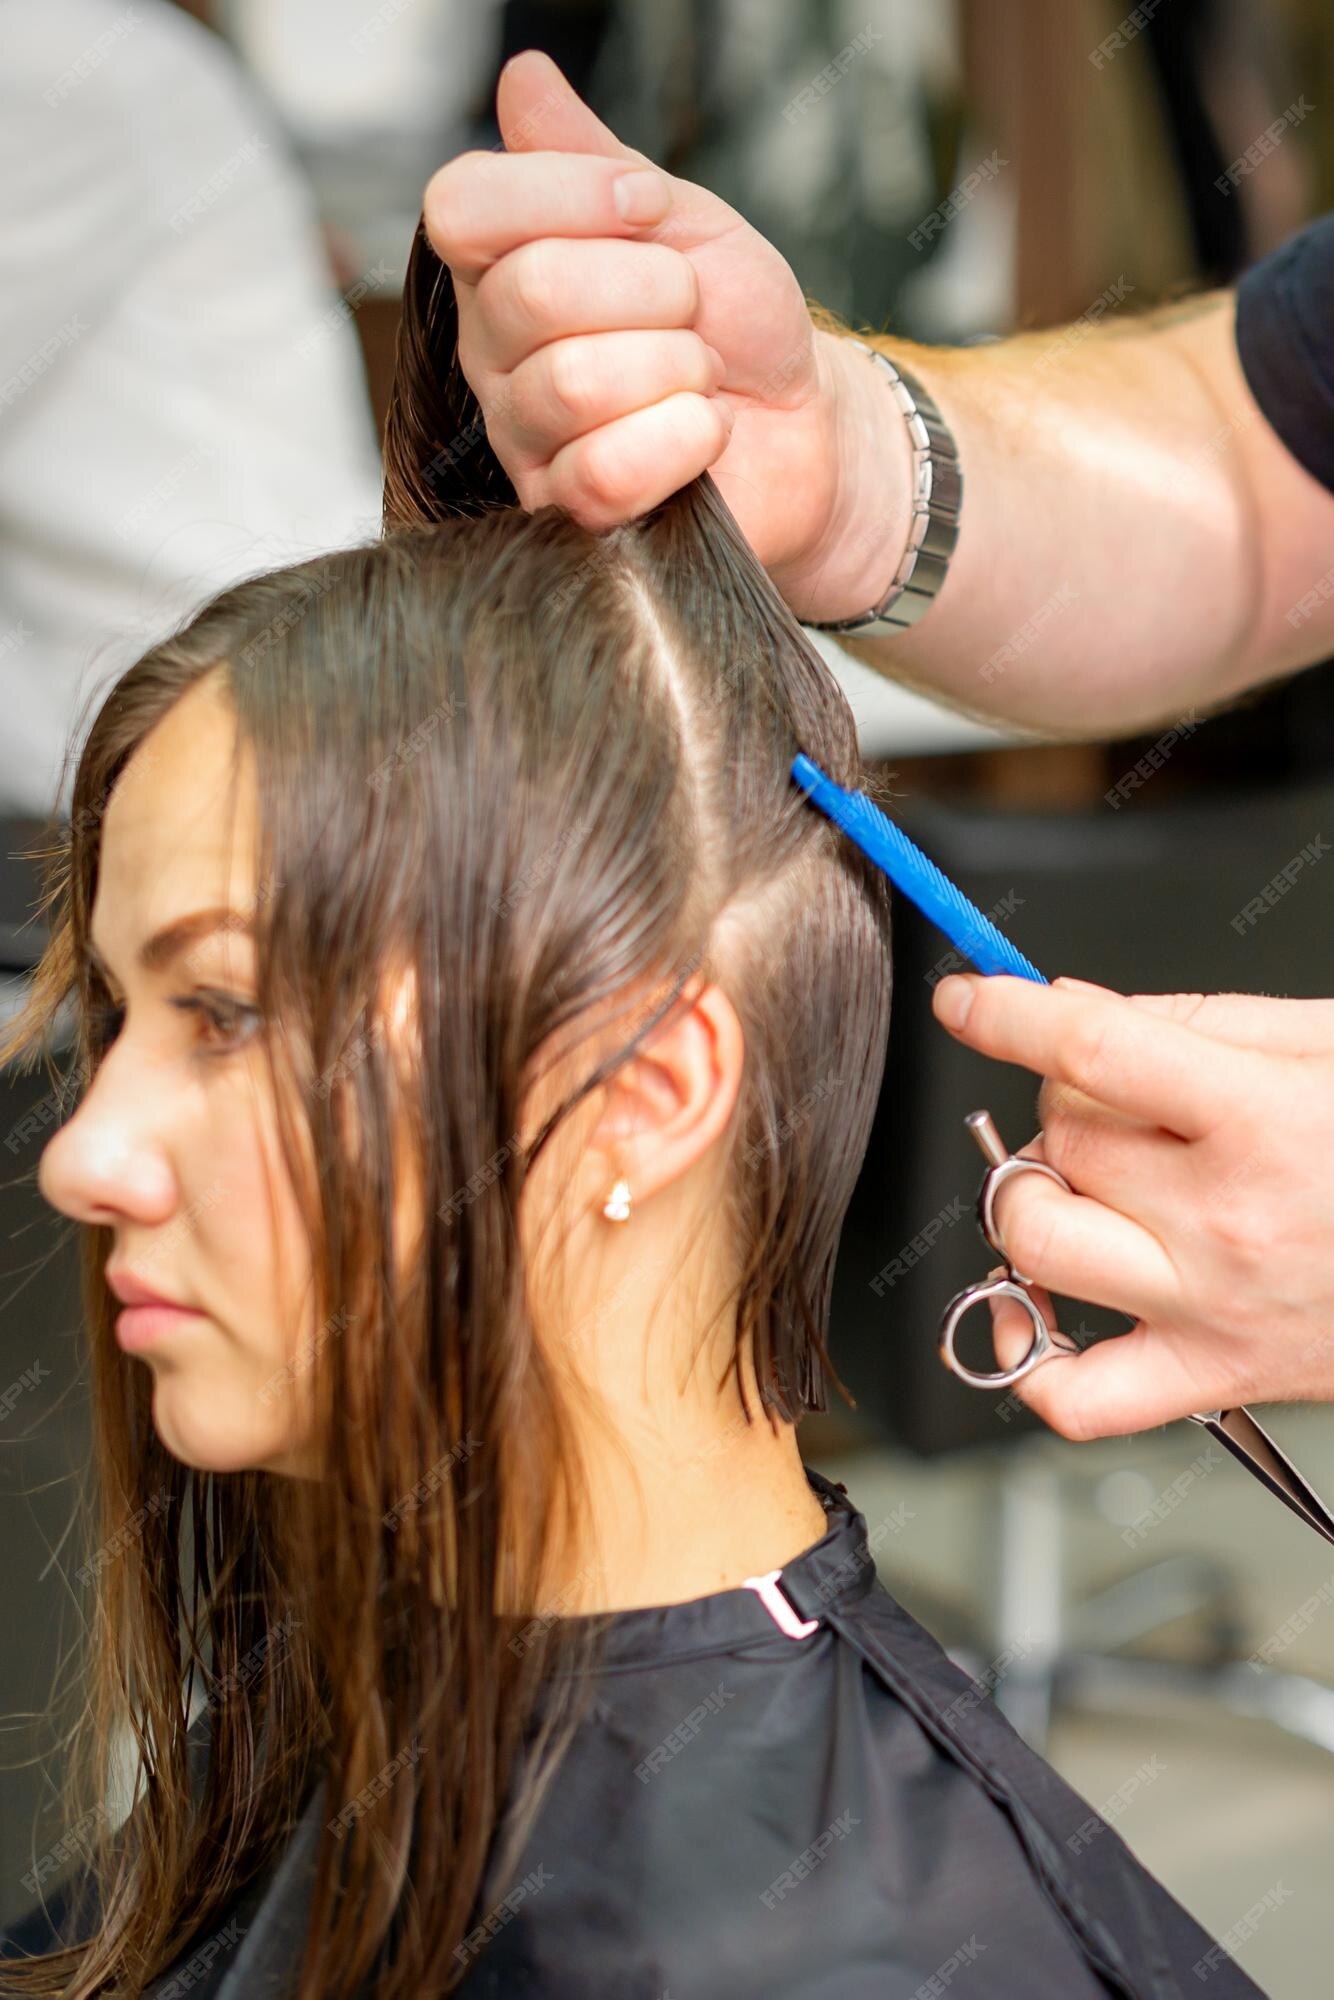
909, 870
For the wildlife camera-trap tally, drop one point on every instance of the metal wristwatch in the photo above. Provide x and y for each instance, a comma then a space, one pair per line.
937, 496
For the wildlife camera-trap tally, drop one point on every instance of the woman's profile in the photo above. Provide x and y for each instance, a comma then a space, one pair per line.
478, 1041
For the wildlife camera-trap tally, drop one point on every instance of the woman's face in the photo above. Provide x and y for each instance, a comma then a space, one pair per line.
175, 1145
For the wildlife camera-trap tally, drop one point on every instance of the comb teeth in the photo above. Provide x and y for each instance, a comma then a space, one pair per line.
908, 868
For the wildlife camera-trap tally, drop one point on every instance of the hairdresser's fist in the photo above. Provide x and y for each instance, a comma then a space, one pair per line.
1197, 1133
618, 351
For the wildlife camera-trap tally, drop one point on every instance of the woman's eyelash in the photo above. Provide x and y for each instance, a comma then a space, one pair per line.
225, 1017
233, 1019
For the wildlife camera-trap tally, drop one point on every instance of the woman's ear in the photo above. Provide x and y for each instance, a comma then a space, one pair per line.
665, 1108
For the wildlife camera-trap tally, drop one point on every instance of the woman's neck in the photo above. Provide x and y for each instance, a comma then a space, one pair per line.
681, 1504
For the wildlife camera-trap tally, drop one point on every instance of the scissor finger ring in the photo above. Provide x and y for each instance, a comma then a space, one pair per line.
1011, 1284
996, 1288
1002, 1166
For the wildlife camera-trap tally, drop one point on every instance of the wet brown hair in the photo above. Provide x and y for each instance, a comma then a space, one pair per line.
542, 767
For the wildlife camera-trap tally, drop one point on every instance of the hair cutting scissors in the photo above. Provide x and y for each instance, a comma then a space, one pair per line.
991, 951
1236, 1429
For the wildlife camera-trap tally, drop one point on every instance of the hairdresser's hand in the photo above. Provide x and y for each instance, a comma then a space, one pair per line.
615, 359
1199, 1133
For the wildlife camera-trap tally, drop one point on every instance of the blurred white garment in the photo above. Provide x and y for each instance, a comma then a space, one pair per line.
376, 94
182, 400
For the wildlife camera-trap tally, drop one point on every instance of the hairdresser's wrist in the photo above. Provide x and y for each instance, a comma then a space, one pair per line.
865, 515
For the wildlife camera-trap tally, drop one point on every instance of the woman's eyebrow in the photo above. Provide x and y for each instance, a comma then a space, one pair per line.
167, 944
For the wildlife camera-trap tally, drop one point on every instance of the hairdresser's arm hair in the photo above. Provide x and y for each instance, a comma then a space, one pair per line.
1136, 542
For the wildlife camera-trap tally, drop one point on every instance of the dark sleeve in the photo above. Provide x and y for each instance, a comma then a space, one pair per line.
1285, 337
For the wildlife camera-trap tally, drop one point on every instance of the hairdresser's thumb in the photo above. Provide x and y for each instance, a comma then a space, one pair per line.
539, 111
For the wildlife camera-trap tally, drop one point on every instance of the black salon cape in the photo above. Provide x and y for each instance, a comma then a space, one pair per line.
749, 1816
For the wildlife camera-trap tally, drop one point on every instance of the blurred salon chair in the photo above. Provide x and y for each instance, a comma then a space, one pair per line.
1141, 898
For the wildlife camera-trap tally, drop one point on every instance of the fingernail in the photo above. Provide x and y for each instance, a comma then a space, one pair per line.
953, 999
641, 196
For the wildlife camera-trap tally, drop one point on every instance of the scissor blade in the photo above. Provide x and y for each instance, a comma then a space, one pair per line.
1251, 1443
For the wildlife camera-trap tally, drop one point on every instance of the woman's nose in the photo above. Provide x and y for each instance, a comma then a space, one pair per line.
108, 1160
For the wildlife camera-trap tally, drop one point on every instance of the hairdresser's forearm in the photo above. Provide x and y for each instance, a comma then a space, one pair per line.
1134, 537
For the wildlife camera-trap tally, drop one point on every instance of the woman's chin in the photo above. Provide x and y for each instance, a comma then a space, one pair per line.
213, 1433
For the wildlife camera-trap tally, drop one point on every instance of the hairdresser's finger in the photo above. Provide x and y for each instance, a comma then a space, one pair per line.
1072, 1244
1115, 1160
622, 469
537, 108
1118, 1053
1012, 1325
572, 386
480, 206
1128, 1383
549, 290
1249, 1020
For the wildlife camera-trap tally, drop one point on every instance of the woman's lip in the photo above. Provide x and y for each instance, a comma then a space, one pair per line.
139, 1327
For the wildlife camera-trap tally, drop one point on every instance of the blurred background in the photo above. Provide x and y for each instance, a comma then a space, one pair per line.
205, 214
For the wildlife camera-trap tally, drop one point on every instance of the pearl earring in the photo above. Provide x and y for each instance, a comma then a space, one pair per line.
617, 1209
